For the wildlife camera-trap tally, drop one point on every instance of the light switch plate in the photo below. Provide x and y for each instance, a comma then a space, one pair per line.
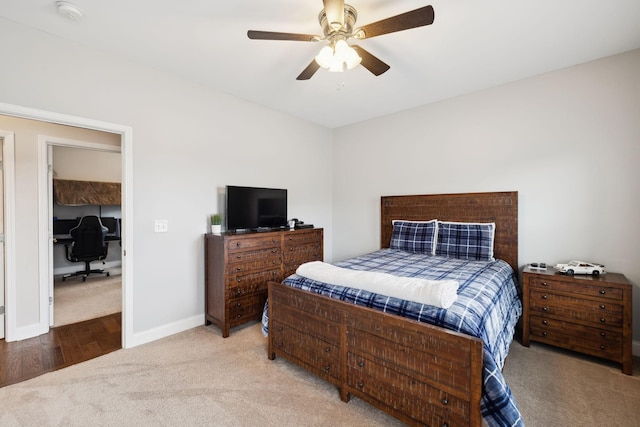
161, 226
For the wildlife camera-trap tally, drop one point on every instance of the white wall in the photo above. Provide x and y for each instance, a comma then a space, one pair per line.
567, 141
187, 142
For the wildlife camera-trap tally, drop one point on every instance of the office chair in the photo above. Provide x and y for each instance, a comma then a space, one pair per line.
88, 245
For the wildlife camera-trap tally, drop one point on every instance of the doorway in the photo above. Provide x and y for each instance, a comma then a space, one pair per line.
72, 163
15, 331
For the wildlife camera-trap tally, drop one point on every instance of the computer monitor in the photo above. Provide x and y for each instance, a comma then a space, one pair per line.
112, 224
63, 226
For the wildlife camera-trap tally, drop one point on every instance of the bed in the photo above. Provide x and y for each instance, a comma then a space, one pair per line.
423, 364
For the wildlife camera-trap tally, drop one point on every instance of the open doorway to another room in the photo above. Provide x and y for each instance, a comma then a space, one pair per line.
85, 182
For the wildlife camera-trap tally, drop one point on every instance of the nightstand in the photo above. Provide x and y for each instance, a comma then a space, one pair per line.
587, 314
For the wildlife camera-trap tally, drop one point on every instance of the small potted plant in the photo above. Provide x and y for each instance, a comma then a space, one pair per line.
216, 223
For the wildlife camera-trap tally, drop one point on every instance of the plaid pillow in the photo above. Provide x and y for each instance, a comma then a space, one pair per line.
414, 236
466, 240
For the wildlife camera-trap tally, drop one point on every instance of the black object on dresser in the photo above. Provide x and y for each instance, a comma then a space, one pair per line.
238, 266
587, 314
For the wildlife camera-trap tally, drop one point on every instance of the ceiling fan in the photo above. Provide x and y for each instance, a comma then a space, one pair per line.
337, 20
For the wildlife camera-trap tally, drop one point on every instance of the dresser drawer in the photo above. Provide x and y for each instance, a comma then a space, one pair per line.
244, 262
303, 253
301, 237
243, 243
586, 289
587, 339
246, 308
571, 308
238, 285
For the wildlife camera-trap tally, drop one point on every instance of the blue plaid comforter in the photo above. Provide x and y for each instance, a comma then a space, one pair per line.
488, 307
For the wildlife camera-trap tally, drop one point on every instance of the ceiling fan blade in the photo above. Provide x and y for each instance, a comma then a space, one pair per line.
334, 9
271, 35
308, 72
370, 62
404, 21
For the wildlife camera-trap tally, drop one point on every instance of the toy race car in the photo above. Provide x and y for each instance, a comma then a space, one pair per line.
580, 267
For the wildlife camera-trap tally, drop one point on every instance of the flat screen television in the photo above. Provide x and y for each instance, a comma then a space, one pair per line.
255, 209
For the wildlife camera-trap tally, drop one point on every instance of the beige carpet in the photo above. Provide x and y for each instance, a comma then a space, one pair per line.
197, 378
75, 300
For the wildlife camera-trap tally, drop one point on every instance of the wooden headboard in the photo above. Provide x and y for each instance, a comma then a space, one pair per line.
499, 207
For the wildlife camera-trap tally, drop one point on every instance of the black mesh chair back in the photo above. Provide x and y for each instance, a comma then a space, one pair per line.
88, 245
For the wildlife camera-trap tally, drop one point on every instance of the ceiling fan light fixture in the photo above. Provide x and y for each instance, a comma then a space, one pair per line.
338, 57
346, 54
325, 57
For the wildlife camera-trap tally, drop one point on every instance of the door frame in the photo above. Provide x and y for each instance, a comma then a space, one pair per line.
45, 198
8, 180
126, 146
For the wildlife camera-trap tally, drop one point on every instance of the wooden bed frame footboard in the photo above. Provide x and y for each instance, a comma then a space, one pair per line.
419, 373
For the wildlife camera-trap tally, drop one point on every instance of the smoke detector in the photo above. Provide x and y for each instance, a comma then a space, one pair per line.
69, 11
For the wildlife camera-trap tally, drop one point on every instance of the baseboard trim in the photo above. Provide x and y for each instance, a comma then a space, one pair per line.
164, 331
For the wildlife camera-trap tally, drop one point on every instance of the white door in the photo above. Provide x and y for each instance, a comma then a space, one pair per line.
50, 229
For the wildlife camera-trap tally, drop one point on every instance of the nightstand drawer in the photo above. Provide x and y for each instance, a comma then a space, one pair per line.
570, 308
586, 289
572, 336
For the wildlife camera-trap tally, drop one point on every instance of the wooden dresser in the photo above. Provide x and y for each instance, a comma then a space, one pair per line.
588, 314
238, 266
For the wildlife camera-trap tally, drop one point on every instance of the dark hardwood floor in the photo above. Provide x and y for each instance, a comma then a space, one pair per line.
63, 346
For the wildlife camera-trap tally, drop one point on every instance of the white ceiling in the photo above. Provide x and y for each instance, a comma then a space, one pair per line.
470, 46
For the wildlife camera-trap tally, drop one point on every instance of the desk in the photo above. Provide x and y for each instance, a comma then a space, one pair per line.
65, 239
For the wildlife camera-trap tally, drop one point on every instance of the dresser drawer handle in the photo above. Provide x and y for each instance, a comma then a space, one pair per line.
327, 368
445, 401
237, 244
239, 292
327, 349
361, 363
602, 334
544, 296
602, 292
602, 306
602, 347
544, 284
544, 322
239, 316
545, 308
602, 319
360, 384
544, 334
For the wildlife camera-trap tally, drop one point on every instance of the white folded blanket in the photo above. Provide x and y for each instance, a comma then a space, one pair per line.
439, 293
